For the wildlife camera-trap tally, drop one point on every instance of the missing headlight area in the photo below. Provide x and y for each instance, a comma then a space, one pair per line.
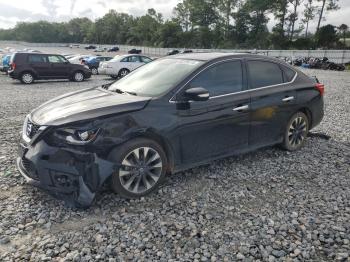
68, 174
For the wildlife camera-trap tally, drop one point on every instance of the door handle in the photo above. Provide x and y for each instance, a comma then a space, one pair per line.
241, 108
287, 99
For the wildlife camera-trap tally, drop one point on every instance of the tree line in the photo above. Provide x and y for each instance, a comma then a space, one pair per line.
200, 24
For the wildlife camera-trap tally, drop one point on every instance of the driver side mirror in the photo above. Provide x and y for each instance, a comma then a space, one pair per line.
196, 94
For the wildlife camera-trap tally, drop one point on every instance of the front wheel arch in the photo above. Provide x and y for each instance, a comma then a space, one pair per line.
148, 134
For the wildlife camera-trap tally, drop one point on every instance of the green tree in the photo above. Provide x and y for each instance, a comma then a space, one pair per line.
343, 29
326, 36
170, 34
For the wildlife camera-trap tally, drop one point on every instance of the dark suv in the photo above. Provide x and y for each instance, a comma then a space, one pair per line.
28, 67
169, 115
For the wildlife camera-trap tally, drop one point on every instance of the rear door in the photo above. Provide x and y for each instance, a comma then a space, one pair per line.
273, 100
219, 126
39, 64
135, 62
58, 66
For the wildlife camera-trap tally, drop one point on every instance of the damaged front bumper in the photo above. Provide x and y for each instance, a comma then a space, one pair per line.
72, 175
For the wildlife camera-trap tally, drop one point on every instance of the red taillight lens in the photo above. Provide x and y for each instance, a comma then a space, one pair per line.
320, 88
13, 66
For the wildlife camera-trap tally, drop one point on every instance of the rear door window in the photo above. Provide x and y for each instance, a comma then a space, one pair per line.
145, 59
55, 59
264, 73
221, 79
37, 59
134, 59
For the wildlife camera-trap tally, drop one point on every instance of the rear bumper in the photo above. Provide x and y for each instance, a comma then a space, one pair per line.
67, 174
317, 111
12, 74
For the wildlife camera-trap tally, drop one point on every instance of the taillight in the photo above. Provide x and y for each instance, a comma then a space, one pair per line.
320, 88
13, 66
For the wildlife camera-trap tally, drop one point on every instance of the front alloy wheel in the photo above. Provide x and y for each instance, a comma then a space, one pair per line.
140, 170
296, 133
142, 167
78, 77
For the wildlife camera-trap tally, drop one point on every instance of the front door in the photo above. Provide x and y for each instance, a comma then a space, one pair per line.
58, 66
219, 126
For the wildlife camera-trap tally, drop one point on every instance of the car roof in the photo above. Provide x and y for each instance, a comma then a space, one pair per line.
216, 55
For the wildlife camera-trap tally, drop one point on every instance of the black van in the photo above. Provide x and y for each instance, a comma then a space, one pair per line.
28, 67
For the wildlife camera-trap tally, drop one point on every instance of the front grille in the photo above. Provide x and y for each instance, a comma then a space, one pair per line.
30, 169
31, 129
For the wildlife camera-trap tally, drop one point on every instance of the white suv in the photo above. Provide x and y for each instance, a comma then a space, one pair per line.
122, 65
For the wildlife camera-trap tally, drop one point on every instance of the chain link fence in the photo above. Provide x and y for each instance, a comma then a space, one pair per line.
337, 56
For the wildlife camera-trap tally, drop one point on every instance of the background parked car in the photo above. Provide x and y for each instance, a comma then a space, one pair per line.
100, 49
28, 67
113, 49
173, 52
5, 63
120, 66
186, 51
90, 47
135, 51
78, 59
94, 62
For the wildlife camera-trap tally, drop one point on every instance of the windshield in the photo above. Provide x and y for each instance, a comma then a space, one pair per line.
156, 78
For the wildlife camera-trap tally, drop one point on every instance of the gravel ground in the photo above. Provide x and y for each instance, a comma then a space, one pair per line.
269, 205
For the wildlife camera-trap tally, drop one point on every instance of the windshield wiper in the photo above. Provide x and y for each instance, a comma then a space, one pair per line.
131, 93
119, 91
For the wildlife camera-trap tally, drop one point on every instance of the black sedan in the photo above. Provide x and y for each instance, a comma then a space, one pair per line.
113, 49
172, 114
90, 47
135, 51
173, 52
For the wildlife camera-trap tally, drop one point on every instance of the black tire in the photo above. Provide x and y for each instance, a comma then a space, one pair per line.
123, 72
145, 178
94, 70
78, 76
296, 132
27, 78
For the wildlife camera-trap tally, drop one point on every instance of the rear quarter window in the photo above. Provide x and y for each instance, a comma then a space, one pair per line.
264, 73
36, 59
289, 73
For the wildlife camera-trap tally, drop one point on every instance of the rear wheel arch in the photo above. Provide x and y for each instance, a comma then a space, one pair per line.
35, 75
308, 113
27, 72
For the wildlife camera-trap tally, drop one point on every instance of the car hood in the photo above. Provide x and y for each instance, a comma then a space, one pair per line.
84, 105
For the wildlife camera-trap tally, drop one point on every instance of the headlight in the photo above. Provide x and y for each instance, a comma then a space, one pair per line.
77, 137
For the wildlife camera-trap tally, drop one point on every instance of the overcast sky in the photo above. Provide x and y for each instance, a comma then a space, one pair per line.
14, 11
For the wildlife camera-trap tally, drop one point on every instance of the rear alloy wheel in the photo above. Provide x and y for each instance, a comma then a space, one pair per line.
94, 71
78, 76
296, 132
123, 72
142, 168
27, 78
